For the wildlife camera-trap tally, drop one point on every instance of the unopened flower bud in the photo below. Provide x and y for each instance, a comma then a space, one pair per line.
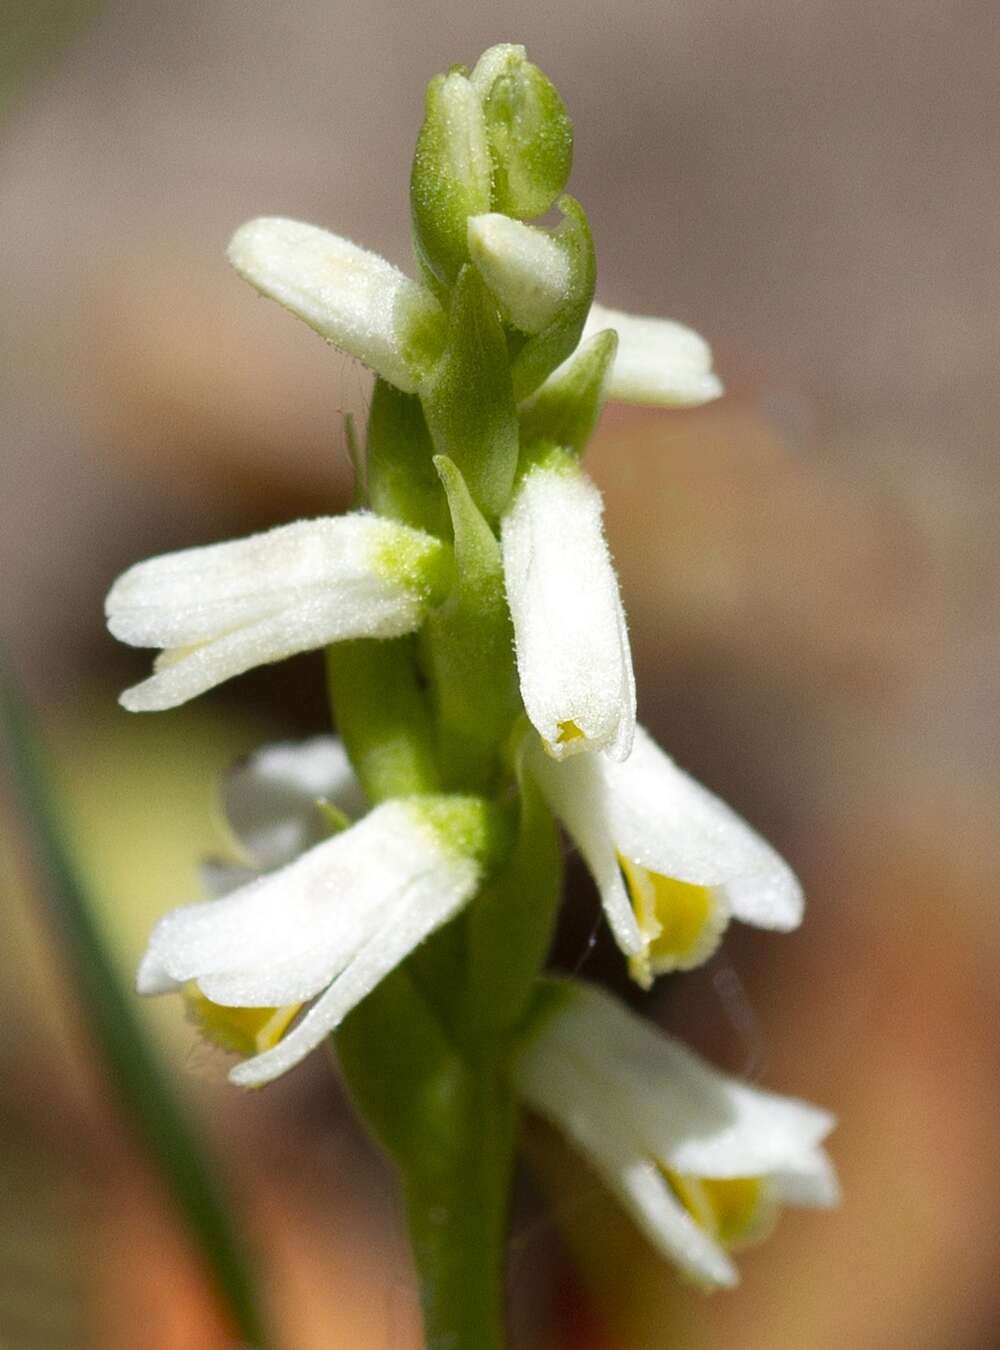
530, 134
451, 175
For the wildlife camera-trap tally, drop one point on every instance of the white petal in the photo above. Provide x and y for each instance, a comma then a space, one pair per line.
270, 798
573, 656
812, 1183
427, 904
664, 820
575, 791
565, 1089
690, 1117
221, 610
317, 912
353, 298
523, 266
188, 597
658, 361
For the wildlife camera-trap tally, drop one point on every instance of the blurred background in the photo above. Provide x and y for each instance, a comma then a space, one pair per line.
810, 567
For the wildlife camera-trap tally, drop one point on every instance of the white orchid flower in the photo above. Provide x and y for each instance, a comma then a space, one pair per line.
573, 657
350, 296
700, 1160
328, 926
672, 862
218, 611
658, 362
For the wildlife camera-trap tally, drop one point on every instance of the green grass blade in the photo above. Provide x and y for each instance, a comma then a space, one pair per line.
166, 1133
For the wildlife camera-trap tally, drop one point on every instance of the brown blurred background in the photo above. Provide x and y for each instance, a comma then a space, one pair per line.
810, 567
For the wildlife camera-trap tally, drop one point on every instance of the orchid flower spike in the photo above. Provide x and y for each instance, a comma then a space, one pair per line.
702, 1161
672, 862
328, 926
573, 657
220, 610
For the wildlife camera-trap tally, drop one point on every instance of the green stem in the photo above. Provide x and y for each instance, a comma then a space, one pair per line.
457, 1219
448, 1121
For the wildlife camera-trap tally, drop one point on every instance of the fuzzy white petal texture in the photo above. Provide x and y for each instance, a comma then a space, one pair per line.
332, 923
270, 798
565, 1090
649, 811
640, 1105
812, 1183
692, 1118
663, 819
355, 299
220, 610
576, 792
329, 900
573, 656
429, 902
523, 266
658, 361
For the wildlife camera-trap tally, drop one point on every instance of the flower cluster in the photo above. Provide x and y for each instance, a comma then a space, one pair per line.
481, 534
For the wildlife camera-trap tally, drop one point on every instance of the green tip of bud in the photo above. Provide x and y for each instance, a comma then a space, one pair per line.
529, 130
451, 176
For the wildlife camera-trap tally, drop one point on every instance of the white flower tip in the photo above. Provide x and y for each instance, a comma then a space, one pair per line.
523, 266
658, 362
152, 978
147, 696
350, 296
770, 898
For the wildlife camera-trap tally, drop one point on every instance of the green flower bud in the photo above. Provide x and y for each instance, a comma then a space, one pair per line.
530, 133
451, 176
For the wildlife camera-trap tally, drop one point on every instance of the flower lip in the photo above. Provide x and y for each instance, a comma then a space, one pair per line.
667, 828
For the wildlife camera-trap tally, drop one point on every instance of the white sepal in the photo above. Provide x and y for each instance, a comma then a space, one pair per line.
648, 813
654, 1118
573, 656
524, 267
350, 296
270, 798
658, 361
332, 924
218, 611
